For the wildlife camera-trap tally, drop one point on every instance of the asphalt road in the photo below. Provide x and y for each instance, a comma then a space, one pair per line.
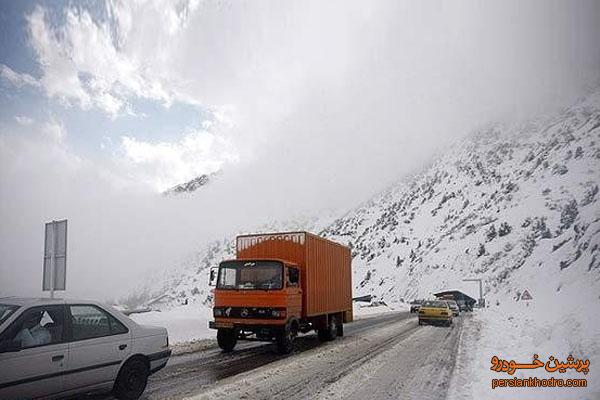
378, 357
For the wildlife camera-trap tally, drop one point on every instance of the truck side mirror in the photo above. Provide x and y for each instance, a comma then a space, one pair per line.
212, 281
293, 276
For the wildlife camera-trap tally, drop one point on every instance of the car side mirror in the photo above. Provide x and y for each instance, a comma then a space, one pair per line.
10, 346
212, 281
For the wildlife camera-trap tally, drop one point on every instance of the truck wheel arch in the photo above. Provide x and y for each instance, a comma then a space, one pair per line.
294, 324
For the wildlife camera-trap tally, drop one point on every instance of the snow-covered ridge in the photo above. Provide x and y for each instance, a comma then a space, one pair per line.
510, 198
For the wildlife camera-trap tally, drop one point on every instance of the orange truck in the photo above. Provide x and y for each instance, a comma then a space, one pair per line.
281, 284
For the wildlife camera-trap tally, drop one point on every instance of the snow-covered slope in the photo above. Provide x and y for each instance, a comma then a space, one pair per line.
514, 205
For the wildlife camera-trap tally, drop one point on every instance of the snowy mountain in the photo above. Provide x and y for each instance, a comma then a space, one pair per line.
516, 206
511, 203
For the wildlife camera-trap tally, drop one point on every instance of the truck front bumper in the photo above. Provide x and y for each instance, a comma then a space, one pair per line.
220, 324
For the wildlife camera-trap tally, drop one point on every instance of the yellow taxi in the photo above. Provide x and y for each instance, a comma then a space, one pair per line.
435, 312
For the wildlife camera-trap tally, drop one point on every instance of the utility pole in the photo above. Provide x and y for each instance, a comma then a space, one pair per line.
52, 255
481, 299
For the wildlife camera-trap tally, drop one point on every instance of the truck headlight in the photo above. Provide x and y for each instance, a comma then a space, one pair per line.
217, 312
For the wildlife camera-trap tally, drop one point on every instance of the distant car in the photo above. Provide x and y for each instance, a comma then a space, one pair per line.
454, 307
435, 312
51, 348
415, 305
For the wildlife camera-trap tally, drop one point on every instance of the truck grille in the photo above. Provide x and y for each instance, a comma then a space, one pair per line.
249, 312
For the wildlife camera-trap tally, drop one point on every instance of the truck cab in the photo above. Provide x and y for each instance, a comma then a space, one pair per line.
256, 298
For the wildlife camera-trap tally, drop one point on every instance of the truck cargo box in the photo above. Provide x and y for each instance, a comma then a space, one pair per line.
325, 267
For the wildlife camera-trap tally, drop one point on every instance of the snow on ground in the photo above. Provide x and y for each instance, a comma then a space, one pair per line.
516, 332
310, 373
364, 310
184, 323
189, 323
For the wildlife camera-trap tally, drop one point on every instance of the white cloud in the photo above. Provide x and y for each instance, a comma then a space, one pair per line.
24, 120
165, 164
54, 130
85, 63
17, 79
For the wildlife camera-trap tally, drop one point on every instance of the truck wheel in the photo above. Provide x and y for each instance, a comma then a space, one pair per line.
285, 339
227, 338
332, 328
340, 329
132, 379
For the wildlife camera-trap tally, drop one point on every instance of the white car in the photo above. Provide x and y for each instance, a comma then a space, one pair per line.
51, 348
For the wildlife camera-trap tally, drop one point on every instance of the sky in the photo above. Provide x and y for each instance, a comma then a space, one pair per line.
303, 107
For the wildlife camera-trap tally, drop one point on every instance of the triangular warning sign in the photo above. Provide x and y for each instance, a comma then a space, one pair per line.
526, 295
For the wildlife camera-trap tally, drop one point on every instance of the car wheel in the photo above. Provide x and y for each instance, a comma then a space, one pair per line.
132, 379
227, 339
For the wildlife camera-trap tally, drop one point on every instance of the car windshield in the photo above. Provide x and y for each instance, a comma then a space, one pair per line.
434, 304
250, 275
6, 310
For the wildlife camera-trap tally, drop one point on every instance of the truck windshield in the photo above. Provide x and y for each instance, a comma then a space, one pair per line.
250, 275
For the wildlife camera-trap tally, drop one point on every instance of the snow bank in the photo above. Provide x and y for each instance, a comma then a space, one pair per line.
518, 330
363, 310
184, 323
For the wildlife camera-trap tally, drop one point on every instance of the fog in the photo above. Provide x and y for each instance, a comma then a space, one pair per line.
325, 103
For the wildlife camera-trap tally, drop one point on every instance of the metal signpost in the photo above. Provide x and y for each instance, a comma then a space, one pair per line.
55, 257
481, 299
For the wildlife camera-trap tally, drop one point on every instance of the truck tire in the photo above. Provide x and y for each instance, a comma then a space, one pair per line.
285, 339
328, 334
227, 339
332, 328
132, 379
340, 329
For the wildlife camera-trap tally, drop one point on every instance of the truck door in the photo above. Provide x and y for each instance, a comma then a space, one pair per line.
294, 292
